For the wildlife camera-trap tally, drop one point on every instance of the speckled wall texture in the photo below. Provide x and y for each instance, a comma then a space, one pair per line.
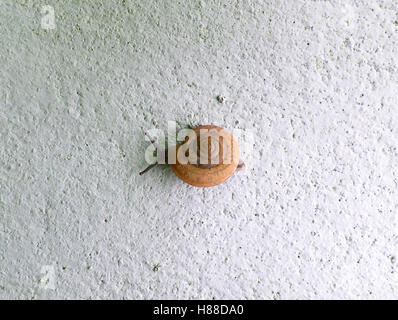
315, 215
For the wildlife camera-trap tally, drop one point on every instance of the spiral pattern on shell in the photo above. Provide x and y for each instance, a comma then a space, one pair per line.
213, 156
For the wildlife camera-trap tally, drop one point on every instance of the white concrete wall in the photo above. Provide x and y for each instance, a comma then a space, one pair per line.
314, 215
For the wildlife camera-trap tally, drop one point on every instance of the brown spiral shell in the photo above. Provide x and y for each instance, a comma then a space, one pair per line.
215, 160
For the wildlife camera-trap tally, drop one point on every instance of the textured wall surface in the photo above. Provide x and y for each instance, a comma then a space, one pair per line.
314, 215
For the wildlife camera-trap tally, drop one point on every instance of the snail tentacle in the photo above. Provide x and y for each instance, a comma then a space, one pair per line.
153, 141
149, 168
161, 152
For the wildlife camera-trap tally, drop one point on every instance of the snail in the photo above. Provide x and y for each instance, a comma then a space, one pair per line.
208, 156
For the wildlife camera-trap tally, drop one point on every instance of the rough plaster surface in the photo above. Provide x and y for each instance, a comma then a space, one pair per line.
313, 216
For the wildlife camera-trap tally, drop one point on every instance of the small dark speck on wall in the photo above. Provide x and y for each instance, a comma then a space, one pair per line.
220, 99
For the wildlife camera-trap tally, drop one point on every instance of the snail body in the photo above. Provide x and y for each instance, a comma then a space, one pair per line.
208, 157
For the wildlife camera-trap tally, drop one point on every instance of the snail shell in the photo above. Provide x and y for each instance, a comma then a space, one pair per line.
207, 158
